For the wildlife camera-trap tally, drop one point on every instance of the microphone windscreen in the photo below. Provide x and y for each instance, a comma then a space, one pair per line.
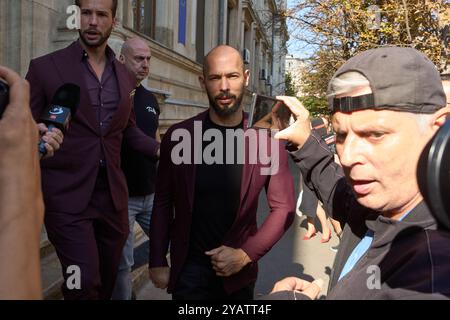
68, 95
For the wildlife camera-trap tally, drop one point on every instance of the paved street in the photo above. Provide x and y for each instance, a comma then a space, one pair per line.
291, 256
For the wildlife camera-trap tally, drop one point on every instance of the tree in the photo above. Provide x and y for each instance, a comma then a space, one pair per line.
317, 106
289, 85
336, 30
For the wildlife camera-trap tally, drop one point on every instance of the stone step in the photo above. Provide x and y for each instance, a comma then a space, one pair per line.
51, 275
46, 247
51, 272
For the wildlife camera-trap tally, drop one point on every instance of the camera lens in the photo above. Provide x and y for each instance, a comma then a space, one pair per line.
437, 183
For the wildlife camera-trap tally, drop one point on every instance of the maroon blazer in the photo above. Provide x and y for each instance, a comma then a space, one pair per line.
69, 177
172, 210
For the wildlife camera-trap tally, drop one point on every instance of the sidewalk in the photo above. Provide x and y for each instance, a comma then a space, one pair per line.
291, 256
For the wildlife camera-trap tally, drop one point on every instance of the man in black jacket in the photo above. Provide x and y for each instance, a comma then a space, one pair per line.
387, 104
139, 171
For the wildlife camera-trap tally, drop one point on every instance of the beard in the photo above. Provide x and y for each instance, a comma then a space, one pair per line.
103, 38
226, 111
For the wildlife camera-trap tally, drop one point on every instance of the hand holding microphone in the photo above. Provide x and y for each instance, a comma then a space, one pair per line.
56, 118
50, 141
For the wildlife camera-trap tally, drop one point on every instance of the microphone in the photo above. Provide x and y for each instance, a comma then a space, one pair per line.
62, 109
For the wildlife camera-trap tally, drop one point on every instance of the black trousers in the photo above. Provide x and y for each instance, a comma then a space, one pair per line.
309, 202
198, 281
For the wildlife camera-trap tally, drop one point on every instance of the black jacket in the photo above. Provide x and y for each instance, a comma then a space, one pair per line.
407, 259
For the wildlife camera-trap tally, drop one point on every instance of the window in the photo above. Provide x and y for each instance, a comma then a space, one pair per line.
143, 17
229, 12
200, 32
182, 22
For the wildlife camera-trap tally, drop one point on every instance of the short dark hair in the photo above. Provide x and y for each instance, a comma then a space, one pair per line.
113, 9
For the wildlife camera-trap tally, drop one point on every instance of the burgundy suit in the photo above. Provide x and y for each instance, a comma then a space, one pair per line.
70, 178
173, 206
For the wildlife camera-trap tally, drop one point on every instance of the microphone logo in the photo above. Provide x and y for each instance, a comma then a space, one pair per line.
57, 111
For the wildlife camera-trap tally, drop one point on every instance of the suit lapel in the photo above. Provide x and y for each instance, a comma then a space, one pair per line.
189, 181
190, 171
70, 68
248, 168
125, 97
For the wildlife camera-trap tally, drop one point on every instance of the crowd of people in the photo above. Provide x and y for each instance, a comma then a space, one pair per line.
111, 169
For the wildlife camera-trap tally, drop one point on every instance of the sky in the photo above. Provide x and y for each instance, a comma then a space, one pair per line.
295, 47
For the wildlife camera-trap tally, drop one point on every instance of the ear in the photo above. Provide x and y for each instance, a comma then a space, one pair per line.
440, 117
122, 59
246, 77
201, 79
115, 21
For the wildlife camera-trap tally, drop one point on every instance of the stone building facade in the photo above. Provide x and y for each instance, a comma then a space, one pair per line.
295, 67
179, 32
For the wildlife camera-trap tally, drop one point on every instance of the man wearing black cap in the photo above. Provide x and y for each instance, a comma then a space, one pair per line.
387, 104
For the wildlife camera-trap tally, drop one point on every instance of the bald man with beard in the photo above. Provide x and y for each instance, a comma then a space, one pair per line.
208, 211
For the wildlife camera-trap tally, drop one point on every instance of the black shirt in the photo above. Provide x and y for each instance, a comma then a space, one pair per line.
216, 198
139, 170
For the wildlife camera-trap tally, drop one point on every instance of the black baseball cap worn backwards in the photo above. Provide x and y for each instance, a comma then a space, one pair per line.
401, 79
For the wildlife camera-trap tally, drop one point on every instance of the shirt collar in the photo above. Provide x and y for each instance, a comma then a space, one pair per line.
387, 229
110, 55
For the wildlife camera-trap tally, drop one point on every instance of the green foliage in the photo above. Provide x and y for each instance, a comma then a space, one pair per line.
289, 85
316, 106
336, 30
